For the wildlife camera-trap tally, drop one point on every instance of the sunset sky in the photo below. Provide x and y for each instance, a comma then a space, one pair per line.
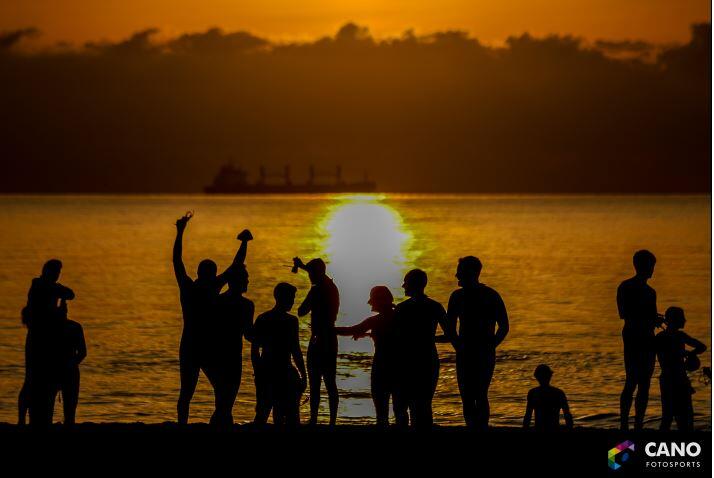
659, 21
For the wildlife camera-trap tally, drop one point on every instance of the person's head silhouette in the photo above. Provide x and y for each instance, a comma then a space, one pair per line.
51, 270
238, 278
316, 270
543, 374
644, 262
414, 283
381, 299
468, 270
207, 270
674, 318
284, 294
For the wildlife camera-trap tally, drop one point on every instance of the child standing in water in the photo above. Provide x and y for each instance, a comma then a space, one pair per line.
676, 390
547, 402
381, 328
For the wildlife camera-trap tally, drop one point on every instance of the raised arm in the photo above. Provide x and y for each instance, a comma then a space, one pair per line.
306, 305
244, 237
501, 321
179, 268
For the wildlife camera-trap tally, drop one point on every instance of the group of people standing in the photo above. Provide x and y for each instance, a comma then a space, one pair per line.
54, 348
405, 366
637, 305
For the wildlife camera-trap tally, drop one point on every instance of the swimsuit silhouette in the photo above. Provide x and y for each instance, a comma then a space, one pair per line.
278, 384
73, 351
233, 321
478, 309
547, 402
381, 328
676, 389
199, 300
323, 303
417, 361
637, 305
45, 319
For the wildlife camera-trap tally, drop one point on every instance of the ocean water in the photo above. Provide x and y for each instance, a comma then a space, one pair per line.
556, 260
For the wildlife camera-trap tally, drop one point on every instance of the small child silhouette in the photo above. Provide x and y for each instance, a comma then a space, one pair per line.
546, 401
675, 361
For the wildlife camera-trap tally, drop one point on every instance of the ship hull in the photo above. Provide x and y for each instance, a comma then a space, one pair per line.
367, 187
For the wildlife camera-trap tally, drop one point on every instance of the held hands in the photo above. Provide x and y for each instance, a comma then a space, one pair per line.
181, 222
245, 236
303, 385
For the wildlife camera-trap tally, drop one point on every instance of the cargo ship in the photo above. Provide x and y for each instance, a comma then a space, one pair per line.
234, 180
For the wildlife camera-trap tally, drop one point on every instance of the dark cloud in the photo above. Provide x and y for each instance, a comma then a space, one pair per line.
439, 112
216, 41
12, 38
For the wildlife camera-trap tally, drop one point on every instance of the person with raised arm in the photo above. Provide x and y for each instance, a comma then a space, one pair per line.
198, 303
233, 322
323, 303
380, 328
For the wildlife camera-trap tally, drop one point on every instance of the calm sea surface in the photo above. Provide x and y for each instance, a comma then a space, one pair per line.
556, 261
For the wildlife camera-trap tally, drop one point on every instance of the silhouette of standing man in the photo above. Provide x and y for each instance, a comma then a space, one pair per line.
637, 305
233, 321
323, 302
417, 373
478, 310
198, 303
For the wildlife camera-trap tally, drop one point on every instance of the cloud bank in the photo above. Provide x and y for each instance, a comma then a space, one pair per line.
439, 112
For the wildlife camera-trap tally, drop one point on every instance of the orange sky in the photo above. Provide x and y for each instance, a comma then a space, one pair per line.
489, 20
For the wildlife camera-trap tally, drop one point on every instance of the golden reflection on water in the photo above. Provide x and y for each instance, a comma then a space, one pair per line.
366, 243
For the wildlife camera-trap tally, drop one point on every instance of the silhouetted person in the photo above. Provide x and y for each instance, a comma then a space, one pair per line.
637, 305
417, 371
198, 302
323, 303
675, 360
234, 320
276, 345
547, 402
478, 309
73, 351
43, 347
23, 398
381, 328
